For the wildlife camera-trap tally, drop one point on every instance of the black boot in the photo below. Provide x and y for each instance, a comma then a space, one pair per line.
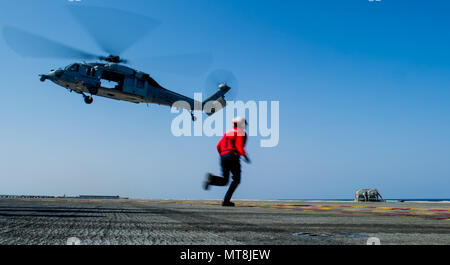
207, 181
227, 204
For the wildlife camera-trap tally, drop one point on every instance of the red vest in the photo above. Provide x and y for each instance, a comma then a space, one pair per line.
233, 142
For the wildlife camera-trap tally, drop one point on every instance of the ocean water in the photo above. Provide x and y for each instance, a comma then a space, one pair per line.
387, 199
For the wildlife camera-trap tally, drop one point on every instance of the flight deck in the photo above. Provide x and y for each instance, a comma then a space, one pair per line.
53, 221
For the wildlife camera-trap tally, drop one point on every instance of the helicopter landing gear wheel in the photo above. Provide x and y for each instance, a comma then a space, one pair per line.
88, 100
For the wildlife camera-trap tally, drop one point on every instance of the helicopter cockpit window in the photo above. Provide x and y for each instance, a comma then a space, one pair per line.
74, 67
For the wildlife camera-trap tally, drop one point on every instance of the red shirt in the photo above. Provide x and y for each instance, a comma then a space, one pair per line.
233, 141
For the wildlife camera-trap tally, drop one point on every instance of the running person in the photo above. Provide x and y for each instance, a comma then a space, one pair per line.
230, 148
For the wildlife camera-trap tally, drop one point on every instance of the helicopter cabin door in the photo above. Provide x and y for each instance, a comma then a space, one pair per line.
136, 85
112, 80
139, 86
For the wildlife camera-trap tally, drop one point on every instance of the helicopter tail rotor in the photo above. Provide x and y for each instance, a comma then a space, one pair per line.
226, 84
223, 80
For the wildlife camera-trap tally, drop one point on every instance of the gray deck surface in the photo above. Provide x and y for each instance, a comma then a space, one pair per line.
171, 222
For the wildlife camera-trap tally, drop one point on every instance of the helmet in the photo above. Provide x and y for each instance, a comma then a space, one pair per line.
240, 122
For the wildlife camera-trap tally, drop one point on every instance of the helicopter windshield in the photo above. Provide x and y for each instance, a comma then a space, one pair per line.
73, 67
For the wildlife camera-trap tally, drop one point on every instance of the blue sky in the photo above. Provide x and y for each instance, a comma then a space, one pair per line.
363, 90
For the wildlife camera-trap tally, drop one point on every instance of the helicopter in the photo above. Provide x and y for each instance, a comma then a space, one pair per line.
109, 76
129, 85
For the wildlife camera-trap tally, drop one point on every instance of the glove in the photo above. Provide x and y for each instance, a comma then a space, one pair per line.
247, 160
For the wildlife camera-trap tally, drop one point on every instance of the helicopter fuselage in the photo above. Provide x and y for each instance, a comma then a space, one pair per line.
114, 81
109, 77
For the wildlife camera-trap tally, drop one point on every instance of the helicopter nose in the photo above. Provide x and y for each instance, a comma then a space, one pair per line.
55, 74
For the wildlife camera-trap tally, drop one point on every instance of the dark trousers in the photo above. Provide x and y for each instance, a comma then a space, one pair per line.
230, 163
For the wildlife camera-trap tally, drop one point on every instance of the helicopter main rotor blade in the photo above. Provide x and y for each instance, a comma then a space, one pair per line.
31, 45
182, 64
113, 30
